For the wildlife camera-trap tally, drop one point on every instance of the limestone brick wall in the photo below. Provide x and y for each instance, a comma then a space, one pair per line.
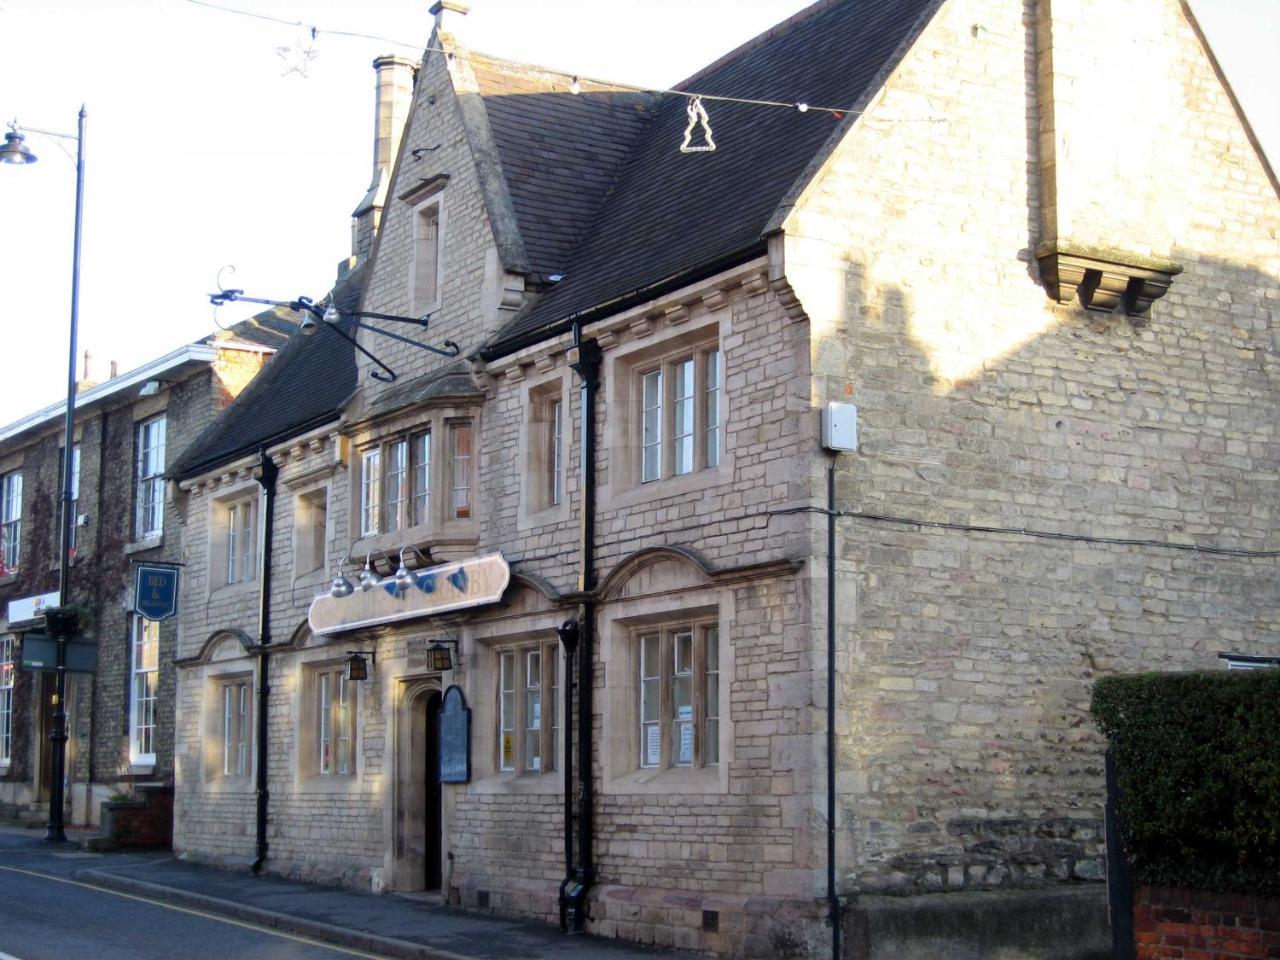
967, 757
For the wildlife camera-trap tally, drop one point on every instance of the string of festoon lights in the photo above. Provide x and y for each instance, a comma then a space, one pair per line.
304, 50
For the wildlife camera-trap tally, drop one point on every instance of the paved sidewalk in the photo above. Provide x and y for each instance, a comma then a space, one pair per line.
389, 925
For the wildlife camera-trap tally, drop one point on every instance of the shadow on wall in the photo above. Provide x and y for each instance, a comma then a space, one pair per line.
969, 756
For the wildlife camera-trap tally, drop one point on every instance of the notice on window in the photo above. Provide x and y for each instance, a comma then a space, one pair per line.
508, 751
686, 744
652, 745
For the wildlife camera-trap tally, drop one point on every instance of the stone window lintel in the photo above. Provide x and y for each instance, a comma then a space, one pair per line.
1104, 279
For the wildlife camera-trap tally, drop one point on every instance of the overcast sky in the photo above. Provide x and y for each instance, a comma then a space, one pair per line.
203, 151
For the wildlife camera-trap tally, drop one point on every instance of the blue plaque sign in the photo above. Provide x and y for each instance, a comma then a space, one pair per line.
455, 737
155, 591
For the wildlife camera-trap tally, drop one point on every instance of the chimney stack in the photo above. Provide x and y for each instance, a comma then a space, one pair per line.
447, 14
394, 95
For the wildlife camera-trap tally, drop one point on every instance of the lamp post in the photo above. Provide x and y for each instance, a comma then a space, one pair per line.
62, 625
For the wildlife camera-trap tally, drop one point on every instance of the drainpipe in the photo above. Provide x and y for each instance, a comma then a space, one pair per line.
584, 360
267, 479
833, 900
568, 632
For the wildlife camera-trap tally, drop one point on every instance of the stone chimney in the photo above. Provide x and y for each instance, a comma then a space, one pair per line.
447, 14
394, 95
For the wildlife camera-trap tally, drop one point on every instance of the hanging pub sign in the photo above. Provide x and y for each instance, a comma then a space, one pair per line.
155, 590
455, 737
458, 585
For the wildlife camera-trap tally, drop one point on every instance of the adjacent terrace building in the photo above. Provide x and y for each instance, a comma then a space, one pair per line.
128, 430
584, 674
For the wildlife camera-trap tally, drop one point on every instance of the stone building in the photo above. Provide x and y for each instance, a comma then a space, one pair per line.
610, 509
128, 430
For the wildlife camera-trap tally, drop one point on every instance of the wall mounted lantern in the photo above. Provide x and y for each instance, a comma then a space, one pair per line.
438, 655
357, 669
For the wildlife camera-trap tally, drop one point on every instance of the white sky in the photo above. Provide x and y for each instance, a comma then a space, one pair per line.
200, 153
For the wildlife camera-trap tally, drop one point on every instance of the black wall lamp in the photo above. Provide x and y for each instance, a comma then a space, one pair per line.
438, 655
357, 669
331, 319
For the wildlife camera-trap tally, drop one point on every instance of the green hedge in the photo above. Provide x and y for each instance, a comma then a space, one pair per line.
1198, 767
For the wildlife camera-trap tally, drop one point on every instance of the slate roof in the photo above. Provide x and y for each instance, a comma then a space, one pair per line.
270, 328
305, 385
454, 380
559, 152
671, 215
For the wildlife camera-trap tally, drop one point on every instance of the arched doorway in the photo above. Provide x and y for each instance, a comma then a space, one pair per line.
433, 821
419, 826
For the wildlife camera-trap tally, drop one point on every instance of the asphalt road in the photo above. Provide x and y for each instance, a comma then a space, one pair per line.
45, 914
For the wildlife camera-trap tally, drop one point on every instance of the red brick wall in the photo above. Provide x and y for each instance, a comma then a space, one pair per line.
1180, 924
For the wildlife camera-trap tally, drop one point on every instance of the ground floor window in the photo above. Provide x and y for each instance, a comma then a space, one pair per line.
679, 699
333, 697
145, 673
7, 645
528, 708
237, 709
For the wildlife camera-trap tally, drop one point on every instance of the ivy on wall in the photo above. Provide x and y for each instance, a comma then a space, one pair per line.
1198, 770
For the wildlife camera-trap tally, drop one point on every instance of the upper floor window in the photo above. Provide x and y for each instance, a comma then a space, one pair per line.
7, 646
528, 709
75, 493
460, 469
679, 682
10, 521
240, 527
310, 532
680, 400
395, 484
425, 271
149, 492
145, 672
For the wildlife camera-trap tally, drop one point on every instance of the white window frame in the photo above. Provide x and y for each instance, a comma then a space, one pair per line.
8, 649
10, 520
426, 263
333, 709
149, 464
310, 531
680, 399
527, 740
75, 495
675, 730
144, 682
235, 704
392, 496
241, 531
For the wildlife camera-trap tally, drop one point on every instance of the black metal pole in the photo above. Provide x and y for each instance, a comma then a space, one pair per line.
833, 900
55, 833
267, 479
585, 361
569, 639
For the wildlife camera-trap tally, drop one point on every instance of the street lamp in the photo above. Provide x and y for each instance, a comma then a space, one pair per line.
61, 626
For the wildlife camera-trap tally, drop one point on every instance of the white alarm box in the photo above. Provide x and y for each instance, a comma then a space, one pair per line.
840, 427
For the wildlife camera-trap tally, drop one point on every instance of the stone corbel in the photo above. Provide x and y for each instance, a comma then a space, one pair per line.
788, 300
1104, 280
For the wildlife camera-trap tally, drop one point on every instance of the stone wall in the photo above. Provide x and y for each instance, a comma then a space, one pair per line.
968, 647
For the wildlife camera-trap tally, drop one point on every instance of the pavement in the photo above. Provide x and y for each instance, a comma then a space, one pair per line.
411, 926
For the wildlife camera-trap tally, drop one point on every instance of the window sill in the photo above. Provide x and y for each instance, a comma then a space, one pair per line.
549, 783
142, 768
225, 784
681, 486
326, 783
455, 533
673, 781
545, 516
10, 577
139, 545
233, 589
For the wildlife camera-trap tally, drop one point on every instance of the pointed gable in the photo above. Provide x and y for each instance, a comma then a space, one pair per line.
674, 215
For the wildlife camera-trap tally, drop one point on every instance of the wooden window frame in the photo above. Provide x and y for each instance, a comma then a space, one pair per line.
149, 464
512, 718
11, 520
704, 718
705, 424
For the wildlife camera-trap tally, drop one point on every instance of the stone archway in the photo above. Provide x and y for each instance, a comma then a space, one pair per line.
419, 818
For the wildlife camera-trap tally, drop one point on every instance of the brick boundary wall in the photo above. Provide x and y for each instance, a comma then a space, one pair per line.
1174, 923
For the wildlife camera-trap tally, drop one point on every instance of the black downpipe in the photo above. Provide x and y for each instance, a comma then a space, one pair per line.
267, 479
569, 638
833, 900
585, 361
